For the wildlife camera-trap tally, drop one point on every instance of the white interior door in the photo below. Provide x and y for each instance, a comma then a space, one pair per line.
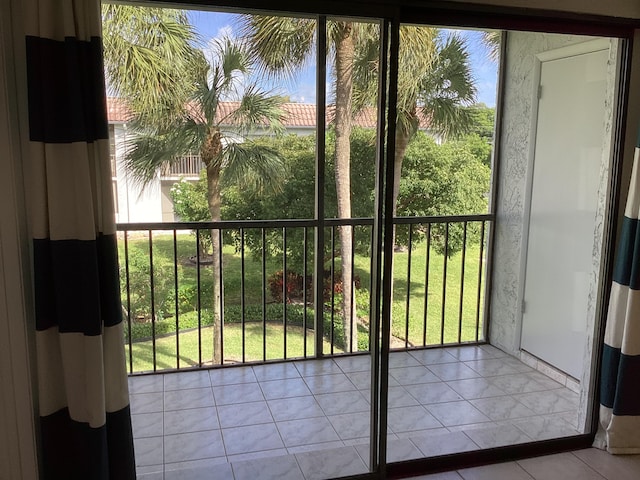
566, 166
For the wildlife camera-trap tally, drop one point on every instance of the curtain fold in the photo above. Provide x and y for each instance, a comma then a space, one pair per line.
85, 421
619, 430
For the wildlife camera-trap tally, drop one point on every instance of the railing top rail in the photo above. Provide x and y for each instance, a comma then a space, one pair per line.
290, 223
445, 219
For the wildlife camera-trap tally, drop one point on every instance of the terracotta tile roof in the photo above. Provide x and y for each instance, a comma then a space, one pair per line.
117, 111
299, 115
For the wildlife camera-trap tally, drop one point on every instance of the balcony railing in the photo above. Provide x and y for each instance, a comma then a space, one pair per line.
185, 166
268, 285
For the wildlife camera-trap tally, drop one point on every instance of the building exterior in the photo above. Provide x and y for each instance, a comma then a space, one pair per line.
153, 203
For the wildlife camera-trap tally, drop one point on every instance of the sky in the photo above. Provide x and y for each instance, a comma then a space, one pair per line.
213, 25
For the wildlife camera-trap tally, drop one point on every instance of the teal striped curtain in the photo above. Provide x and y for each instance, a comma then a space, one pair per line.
85, 422
620, 380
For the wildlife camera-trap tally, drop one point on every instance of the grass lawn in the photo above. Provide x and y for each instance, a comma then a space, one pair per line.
451, 314
452, 322
166, 356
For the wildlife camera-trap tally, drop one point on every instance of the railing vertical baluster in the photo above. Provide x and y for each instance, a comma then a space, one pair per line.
242, 293
332, 287
264, 295
482, 233
199, 296
407, 307
284, 289
464, 255
353, 292
304, 291
221, 289
128, 284
175, 291
153, 300
426, 286
371, 270
444, 282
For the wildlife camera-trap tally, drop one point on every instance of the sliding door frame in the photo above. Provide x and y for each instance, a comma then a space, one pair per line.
441, 14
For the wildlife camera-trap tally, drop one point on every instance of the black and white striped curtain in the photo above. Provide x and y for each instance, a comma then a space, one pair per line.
620, 381
85, 423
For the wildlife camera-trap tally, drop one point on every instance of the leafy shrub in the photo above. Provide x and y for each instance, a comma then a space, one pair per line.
140, 284
190, 203
295, 285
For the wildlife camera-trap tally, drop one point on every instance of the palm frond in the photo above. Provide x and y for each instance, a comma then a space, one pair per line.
279, 45
366, 67
252, 166
449, 87
205, 100
150, 150
258, 108
148, 54
229, 62
491, 40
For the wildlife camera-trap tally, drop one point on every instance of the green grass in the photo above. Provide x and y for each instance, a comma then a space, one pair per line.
166, 352
458, 315
459, 324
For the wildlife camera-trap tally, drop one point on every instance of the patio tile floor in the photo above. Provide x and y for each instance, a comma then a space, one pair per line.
310, 419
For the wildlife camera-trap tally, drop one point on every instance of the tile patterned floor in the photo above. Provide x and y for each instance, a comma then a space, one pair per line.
587, 464
309, 419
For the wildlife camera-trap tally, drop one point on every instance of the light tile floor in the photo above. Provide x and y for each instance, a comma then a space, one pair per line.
587, 464
309, 419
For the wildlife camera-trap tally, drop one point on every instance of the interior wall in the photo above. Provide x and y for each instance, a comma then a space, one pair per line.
622, 8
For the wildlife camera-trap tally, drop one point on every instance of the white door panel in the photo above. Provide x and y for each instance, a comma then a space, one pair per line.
564, 194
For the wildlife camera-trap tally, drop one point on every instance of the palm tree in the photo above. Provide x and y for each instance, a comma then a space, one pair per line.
167, 129
434, 86
281, 45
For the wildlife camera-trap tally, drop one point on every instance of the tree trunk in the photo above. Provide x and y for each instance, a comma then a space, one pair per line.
210, 154
402, 141
344, 88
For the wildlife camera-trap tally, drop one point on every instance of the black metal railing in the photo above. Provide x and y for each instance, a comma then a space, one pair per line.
267, 283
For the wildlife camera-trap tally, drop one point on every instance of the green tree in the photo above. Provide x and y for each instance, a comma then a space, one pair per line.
482, 120
441, 180
296, 197
190, 204
434, 84
480, 134
447, 179
180, 115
